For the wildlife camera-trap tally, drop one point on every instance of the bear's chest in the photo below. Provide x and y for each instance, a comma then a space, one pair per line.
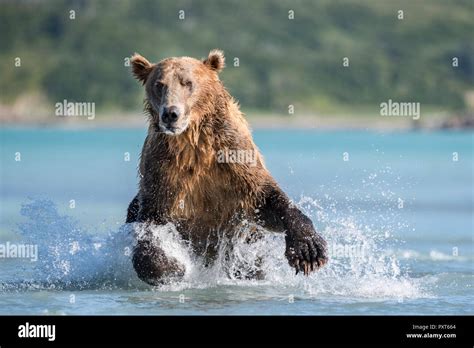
187, 184
205, 195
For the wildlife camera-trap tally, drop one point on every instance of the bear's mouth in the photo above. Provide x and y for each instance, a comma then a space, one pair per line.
170, 129
167, 129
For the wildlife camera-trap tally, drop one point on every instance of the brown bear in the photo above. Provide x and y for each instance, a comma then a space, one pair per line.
201, 171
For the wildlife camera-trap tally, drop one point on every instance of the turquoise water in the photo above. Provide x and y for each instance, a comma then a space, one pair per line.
398, 216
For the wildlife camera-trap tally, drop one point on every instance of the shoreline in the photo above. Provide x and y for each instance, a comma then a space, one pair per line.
257, 121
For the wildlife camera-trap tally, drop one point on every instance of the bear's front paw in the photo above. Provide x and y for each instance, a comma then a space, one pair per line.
306, 251
153, 266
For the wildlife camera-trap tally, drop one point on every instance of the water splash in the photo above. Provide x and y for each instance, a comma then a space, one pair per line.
359, 266
73, 258
70, 257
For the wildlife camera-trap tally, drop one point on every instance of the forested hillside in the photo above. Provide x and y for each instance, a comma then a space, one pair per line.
280, 60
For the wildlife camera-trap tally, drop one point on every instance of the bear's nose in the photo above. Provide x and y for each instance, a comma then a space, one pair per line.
170, 114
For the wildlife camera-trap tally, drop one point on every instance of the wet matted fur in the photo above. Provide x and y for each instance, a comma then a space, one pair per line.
184, 180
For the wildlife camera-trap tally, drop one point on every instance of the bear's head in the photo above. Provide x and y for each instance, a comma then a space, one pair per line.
179, 90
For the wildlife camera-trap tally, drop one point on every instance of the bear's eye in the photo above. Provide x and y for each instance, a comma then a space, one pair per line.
159, 85
188, 84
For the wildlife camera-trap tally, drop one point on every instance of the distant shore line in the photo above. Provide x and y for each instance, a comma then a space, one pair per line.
267, 121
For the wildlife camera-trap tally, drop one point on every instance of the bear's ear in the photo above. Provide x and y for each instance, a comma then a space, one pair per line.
141, 67
215, 60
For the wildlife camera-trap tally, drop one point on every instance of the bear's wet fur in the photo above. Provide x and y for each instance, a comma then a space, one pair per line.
201, 171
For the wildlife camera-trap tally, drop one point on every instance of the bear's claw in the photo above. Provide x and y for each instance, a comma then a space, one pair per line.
306, 252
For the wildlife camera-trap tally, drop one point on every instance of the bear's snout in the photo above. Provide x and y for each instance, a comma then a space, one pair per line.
172, 119
170, 115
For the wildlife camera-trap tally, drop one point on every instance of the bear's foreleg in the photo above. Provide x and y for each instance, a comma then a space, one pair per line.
306, 250
152, 264
132, 211
150, 261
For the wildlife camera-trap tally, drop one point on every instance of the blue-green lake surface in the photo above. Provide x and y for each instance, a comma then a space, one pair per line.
396, 209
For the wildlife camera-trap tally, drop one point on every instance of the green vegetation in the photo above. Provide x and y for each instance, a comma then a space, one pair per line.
282, 61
